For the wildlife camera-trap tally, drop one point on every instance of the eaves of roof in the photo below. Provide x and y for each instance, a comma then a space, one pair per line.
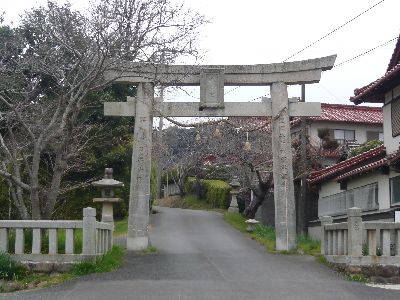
375, 91
345, 166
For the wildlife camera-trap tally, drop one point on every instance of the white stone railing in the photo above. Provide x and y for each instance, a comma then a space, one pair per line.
358, 242
97, 238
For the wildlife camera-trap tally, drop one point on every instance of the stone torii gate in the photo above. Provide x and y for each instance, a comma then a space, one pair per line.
212, 80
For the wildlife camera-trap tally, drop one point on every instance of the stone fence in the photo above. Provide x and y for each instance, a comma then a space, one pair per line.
360, 243
97, 239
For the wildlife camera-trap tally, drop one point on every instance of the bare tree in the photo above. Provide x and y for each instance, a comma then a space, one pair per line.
52, 63
237, 145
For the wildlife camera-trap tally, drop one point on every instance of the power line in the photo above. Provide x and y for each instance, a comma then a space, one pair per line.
230, 91
334, 30
364, 53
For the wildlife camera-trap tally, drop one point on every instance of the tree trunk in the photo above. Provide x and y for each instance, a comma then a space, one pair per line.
52, 194
259, 196
34, 193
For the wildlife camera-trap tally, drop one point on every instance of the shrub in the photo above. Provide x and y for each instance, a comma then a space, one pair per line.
10, 269
365, 147
323, 133
216, 191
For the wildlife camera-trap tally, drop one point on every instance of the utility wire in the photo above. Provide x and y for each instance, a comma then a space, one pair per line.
334, 30
364, 53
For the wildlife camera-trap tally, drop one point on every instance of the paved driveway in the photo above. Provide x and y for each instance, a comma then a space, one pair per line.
201, 257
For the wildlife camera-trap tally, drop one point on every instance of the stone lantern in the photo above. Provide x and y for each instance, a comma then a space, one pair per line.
235, 185
107, 186
251, 225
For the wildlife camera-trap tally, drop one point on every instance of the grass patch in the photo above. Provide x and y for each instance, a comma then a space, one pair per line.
149, 250
266, 236
9, 269
357, 278
121, 227
106, 263
308, 245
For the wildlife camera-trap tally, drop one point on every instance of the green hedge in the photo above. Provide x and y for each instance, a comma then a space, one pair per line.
217, 191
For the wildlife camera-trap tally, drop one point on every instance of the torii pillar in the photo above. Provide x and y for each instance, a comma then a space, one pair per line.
212, 80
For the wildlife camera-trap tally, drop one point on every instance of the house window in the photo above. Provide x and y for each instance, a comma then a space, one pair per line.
342, 135
374, 135
365, 197
395, 190
396, 117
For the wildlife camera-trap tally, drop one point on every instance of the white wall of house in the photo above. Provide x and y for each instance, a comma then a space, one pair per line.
391, 143
360, 130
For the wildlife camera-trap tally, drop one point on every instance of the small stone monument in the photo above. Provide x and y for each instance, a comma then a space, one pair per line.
235, 184
107, 185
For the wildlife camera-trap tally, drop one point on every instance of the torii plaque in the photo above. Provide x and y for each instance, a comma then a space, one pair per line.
212, 80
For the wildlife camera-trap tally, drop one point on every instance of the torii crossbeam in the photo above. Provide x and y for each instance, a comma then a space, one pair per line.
212, 80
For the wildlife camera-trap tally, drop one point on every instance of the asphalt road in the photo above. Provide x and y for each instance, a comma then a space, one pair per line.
201, 257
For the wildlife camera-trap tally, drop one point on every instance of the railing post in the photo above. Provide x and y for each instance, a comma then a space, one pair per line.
340, 242
398, 242
325, 220
36, 241
386, 242
69, 241
89, 232
4, 240
371, 235
19, 241
53, 244
355, 228
109, 220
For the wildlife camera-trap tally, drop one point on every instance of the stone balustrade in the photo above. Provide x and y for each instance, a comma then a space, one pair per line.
97, 239
360, 243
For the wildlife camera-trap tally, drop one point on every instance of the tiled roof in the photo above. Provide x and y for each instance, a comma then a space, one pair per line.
374, 92
347, 113
346, 166
364, 169
395, 56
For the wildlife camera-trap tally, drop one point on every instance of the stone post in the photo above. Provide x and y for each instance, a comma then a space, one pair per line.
325, 220
139, 196
89, 233
355, 228
285, 208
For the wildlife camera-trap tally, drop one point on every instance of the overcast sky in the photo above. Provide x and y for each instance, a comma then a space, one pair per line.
262, 32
